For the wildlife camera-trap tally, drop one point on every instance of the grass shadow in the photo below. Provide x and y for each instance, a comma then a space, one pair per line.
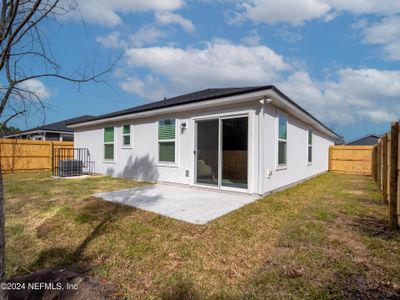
180, 289
99, 214
374, 227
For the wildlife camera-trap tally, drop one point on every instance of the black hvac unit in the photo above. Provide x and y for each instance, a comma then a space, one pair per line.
70, 167
68, 162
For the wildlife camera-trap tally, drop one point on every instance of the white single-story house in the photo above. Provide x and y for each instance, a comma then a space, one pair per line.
252, 139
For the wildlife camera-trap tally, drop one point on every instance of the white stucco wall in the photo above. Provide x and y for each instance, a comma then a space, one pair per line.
297, 167
140, 161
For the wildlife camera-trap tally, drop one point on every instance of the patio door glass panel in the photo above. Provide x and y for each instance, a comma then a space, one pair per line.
207, 152
234, 152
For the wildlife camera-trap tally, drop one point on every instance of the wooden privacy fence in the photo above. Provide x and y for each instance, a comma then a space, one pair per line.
27, 155
387, 172
352, 159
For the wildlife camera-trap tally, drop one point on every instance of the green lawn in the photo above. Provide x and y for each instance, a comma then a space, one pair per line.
325, 238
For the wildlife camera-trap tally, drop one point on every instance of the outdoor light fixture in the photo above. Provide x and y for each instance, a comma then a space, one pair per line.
183, 127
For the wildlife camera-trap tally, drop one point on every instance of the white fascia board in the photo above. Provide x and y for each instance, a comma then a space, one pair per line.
277, 100
39, 132
285, 105
177, 108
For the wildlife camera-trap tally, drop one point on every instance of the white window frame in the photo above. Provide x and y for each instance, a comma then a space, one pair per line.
127, 146
278, 139
310, 145
173, 164
109, 143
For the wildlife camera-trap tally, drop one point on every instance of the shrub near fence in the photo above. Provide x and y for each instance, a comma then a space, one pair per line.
387, 172
27, 155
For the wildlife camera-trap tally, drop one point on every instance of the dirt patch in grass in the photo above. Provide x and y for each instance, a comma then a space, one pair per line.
325, 238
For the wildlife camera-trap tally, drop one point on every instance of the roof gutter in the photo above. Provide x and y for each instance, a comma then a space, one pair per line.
38, 132
278, 99
176, 108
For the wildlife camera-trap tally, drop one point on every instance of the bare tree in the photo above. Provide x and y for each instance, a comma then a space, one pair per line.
26, 57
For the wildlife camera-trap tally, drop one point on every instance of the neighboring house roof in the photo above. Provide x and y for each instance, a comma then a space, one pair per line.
60, 126
371, 139
203, 95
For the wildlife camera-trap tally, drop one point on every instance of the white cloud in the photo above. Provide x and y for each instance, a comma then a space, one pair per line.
220, 63
381, 7
252, 39
353, 95
293, 12
288, 35
111, 40
174, 18
297, 12
146, 35
150, 87
106, 12
34, 89
379, 116
356, 94
385, 33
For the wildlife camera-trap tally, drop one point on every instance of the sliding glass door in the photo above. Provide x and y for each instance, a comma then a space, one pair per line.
234, 152
222, 152
207, 152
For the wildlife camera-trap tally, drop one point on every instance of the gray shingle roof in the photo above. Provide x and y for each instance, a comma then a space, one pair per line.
369, 140
203, 95
60, 125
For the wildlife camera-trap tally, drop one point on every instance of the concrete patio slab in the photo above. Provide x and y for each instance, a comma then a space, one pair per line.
190, 204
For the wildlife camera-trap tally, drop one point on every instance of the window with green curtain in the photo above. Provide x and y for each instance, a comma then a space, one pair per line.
109, 143
166, 129
310, 141
126, 135
282, 139
109, 135
166, 140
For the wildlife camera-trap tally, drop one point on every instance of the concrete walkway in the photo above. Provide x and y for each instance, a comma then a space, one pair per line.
193, 205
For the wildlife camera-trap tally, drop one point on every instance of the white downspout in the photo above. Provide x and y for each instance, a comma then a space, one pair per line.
260, 161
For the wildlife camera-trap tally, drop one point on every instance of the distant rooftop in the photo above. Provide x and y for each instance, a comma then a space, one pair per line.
368, 140
60, 126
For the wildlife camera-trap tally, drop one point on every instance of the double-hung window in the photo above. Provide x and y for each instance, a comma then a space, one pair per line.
109, 143
282, 140
126, 135
309, 141
166, 141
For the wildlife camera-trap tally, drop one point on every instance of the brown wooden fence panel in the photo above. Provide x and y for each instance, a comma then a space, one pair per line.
389, 164
26, 155
393, 174
352, 159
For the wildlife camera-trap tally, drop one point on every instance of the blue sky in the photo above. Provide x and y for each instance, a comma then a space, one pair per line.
338, 59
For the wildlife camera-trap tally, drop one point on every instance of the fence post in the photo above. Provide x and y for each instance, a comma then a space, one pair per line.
394, 141
51, 155
374, 159
382, 162
389, 162
378, 163
384, 168
398, 177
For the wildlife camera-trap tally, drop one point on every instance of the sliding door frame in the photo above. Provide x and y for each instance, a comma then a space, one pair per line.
219, 186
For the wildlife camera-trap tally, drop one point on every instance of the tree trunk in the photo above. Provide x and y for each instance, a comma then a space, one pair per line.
3, 292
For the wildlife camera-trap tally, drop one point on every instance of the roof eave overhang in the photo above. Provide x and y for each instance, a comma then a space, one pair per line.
39, 132
277, 99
